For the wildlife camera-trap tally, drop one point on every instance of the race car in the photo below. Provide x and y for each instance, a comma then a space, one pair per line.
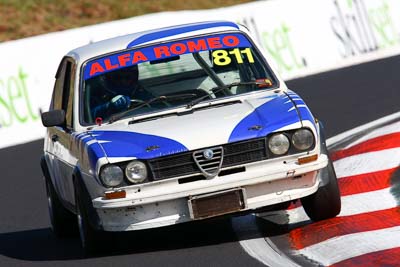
174, 125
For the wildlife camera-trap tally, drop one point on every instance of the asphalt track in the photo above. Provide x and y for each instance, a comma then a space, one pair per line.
343, 99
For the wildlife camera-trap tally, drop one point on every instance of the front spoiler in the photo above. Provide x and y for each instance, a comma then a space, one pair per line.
155, 208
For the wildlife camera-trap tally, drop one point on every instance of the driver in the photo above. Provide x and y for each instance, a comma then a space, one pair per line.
120, 87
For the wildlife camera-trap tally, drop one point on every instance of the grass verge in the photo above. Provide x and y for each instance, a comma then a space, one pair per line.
24, 18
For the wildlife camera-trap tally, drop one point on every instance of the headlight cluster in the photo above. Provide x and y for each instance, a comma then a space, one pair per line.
113, 175
136, 172
280, 143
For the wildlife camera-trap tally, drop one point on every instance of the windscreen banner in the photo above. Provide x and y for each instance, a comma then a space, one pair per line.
300, 38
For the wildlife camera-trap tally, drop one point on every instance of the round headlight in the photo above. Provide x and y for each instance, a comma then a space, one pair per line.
136, 172
303, 139
279, 144
111, 175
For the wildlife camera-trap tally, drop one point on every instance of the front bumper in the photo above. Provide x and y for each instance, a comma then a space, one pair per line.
166, 202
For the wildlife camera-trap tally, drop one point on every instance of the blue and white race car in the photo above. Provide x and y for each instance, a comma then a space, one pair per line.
175, 125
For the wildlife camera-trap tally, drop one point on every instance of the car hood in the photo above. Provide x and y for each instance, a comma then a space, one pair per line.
206, 127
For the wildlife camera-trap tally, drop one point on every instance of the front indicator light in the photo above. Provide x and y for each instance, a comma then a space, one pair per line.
115, 194
307, 159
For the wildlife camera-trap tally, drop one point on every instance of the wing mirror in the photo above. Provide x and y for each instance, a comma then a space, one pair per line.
53, 118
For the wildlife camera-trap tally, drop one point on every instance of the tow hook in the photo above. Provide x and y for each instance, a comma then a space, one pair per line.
290, 174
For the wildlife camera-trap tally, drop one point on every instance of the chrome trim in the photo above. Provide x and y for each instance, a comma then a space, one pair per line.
212, 166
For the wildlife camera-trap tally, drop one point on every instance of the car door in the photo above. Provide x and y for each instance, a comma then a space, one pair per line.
64, 160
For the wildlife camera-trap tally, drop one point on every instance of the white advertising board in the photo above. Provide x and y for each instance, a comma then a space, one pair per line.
301, 38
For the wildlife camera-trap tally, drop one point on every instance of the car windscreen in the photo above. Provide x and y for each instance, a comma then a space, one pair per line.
170, 75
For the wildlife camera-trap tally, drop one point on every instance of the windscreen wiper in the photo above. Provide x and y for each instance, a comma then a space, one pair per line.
221, 88
118, 116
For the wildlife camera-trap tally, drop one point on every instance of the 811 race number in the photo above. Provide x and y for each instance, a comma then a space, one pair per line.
223, 57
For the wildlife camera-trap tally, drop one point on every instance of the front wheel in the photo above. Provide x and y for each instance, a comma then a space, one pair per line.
89, 236
325, 203
62, 220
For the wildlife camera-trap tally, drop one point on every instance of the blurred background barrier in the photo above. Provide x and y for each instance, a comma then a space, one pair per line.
299, 37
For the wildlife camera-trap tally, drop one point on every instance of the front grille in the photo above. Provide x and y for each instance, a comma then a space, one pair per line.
184, 164
209, 166
172, 166
244, 152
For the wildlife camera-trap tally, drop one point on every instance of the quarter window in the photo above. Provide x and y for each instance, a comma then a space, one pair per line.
63, 90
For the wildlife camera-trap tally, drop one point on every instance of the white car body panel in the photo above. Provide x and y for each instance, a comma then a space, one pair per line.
165, 201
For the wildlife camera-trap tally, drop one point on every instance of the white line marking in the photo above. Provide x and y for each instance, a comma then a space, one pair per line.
91, 142
262, 249
267, 253
389, 129
338, 249
351, 205
368, 202
368, 162
344, 135
103, 141
259, 249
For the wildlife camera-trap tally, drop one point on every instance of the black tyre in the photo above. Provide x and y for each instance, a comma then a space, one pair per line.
325, 203
89, 236
63, 221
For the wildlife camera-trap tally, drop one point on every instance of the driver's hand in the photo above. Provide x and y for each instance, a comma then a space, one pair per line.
120, 102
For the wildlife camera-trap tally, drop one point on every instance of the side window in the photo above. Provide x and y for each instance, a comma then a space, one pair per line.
63, 90
58, 87
68, 94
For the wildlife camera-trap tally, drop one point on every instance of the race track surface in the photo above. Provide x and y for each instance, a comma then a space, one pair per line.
343, 99
367, 230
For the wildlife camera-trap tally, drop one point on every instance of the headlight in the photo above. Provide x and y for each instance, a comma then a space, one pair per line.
111, 175
279, 144
136, 172
303, 139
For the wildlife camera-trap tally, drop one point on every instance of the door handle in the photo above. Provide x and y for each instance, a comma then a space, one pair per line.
54, 138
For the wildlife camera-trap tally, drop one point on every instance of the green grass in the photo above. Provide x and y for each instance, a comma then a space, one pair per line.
23, 18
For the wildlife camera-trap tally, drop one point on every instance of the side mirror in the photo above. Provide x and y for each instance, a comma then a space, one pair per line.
53, 118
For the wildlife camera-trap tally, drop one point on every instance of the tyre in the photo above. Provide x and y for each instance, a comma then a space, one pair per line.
63, 221
90, 237
325, 203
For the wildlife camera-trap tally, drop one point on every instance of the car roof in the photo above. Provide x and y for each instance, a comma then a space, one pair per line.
83, 53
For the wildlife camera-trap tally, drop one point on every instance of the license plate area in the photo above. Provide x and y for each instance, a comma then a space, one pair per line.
215, 204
